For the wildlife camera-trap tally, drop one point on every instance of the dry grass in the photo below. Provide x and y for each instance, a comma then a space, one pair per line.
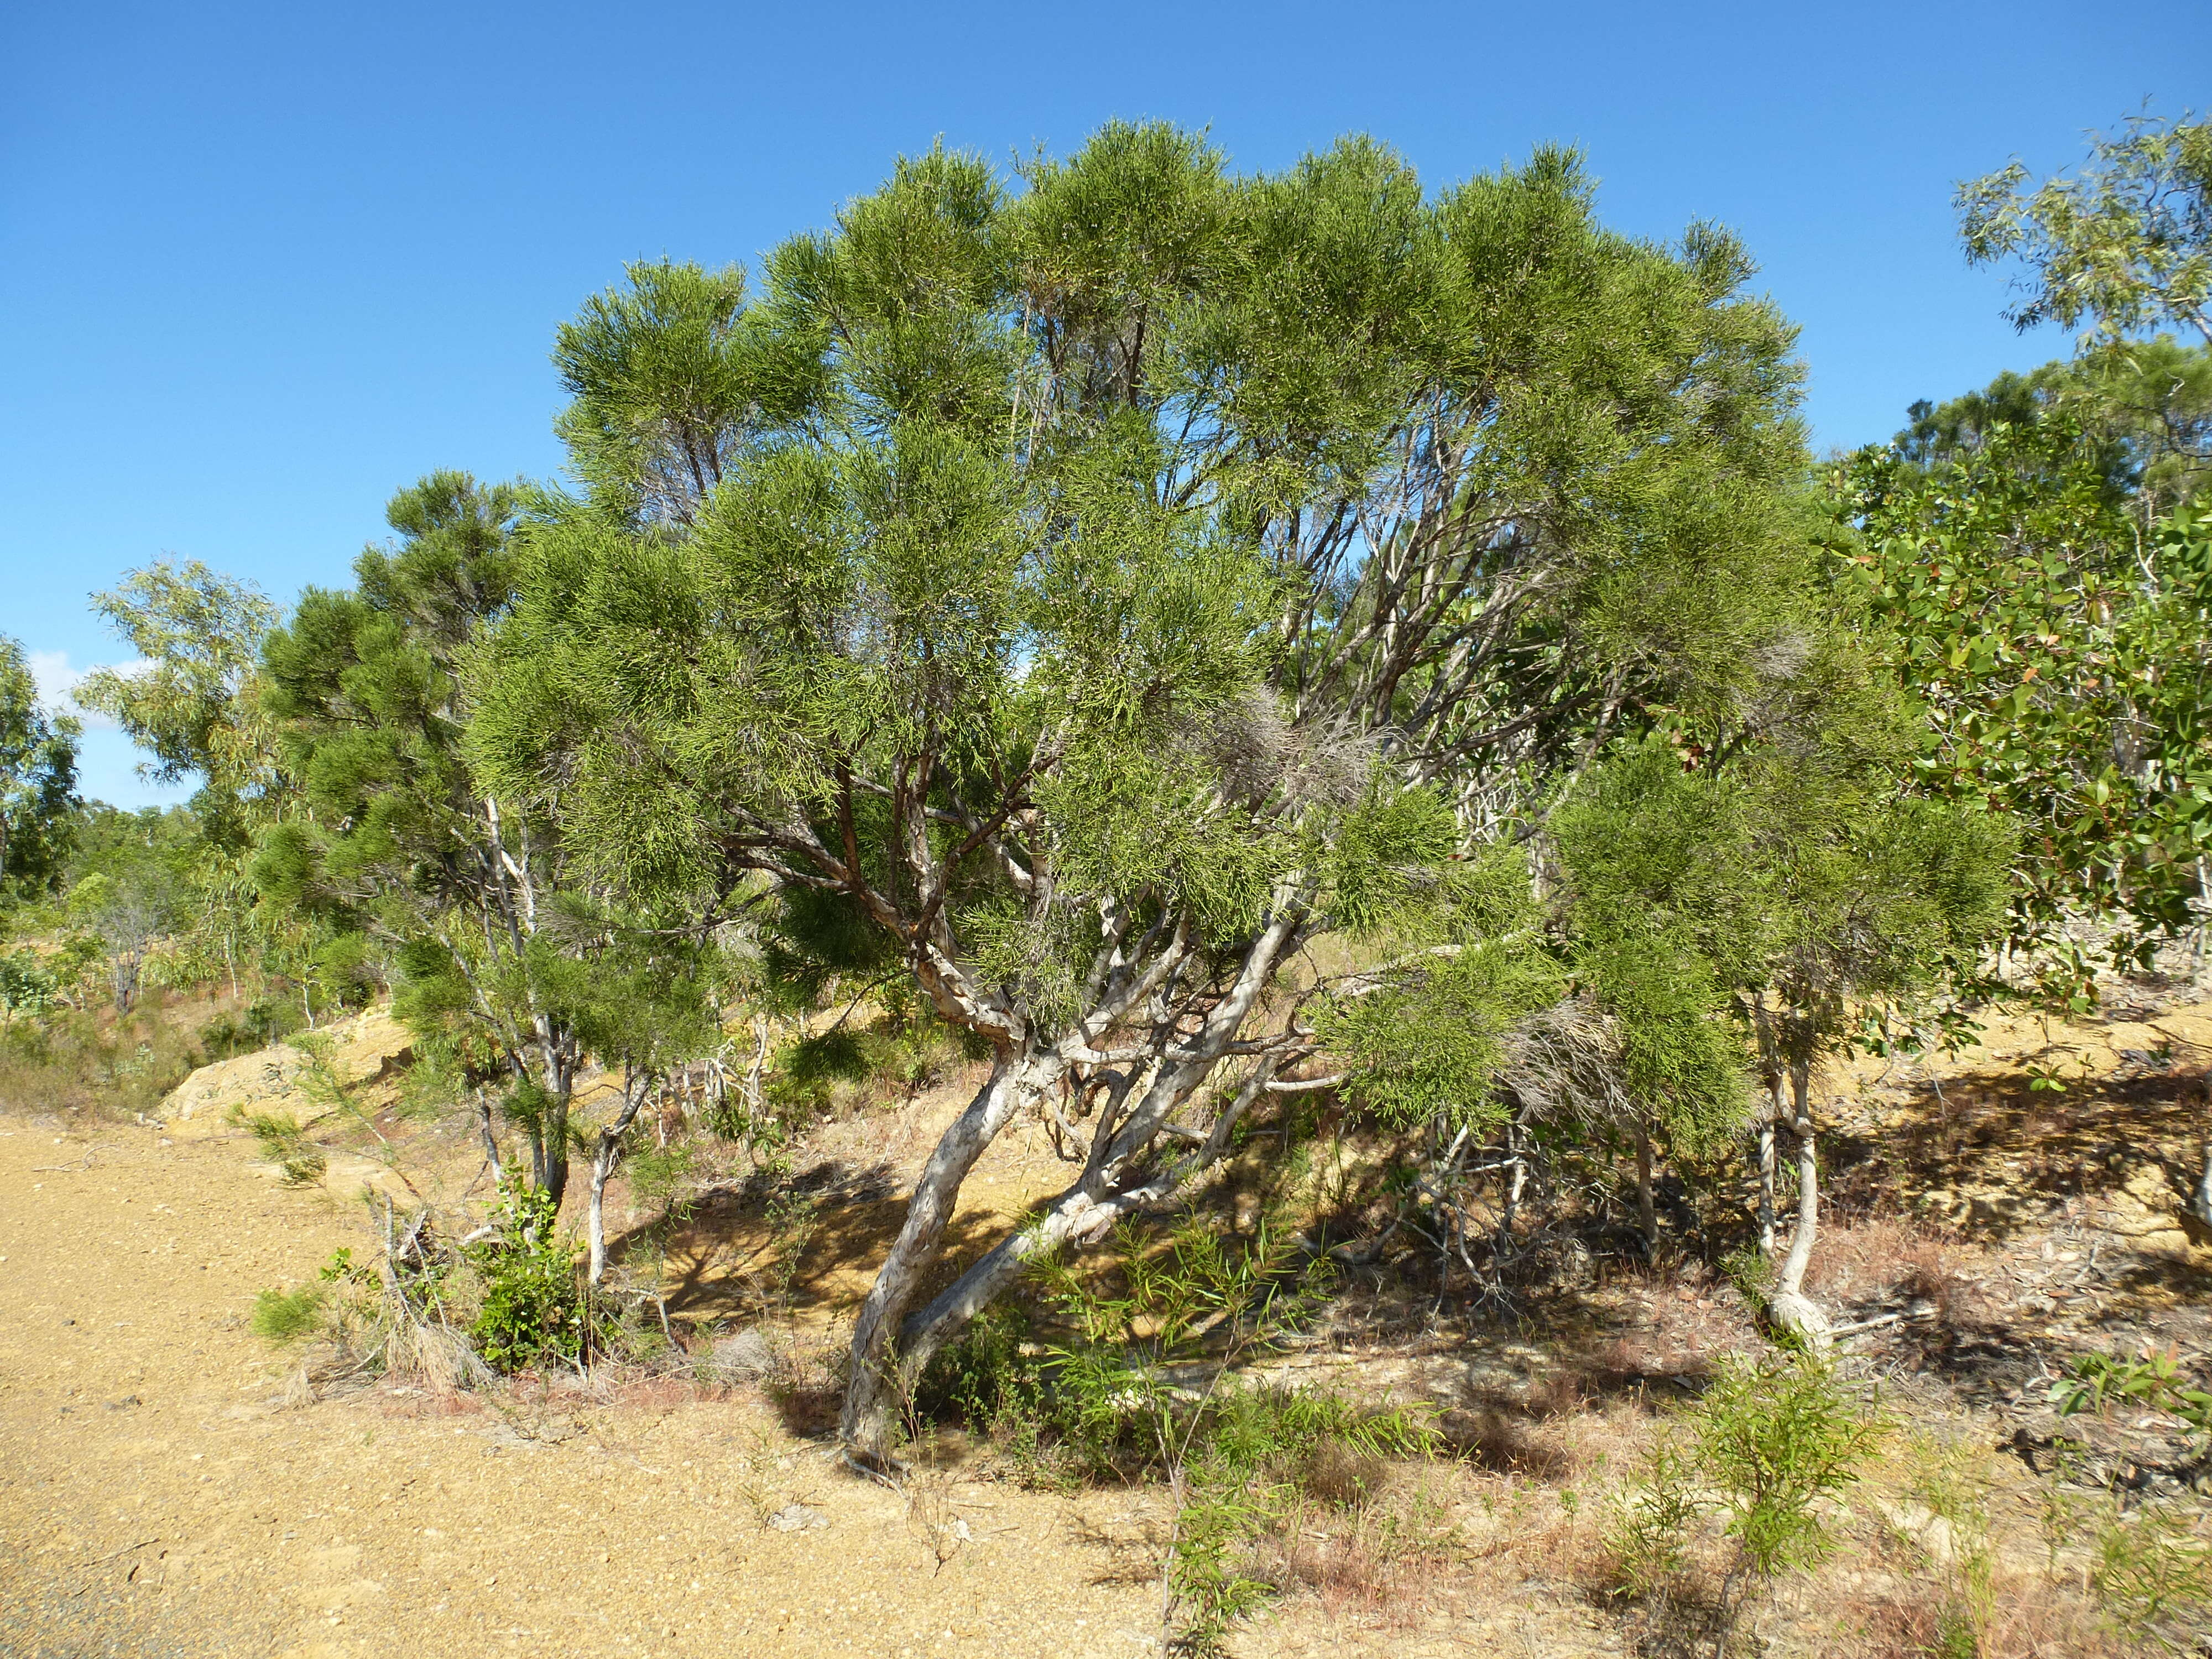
102, 1064
1896, 1259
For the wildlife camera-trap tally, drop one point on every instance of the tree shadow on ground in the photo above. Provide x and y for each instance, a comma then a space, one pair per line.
1997, 1152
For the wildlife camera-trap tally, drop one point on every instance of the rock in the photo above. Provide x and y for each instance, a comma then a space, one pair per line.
797, 1518
745, 1356
368, 1047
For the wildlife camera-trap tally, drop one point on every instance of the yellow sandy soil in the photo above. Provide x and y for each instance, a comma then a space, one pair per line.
159, 1496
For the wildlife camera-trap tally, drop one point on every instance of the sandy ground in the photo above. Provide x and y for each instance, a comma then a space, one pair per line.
168, 1487
158, 1496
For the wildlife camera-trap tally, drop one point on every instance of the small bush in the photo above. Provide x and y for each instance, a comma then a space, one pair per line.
986, 1377
2152, 1572
70, 1059
533, 1306
1652, 1525
285, 1143
282, 1317
253, 1028
1956, 1493
1769, 1443
1776, 1436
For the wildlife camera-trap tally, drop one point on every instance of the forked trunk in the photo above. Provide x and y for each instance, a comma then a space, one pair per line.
880, 1375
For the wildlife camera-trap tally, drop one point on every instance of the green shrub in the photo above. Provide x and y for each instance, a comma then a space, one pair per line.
254, 1027
287, 1315
1776, 1436
1956, 1493
1769, 1443
298, 1161
1145, 1391
2152, 1572
534, 1306
986, 1376
1652, 1524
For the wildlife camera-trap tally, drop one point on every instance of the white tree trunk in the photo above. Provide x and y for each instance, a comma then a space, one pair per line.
605, 1158
1765, 1160
874, 1386
1789, 1307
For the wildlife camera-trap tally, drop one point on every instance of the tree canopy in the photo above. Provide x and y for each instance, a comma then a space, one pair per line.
1152, 572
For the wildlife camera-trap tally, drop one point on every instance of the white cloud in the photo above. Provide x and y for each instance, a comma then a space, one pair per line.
57, 679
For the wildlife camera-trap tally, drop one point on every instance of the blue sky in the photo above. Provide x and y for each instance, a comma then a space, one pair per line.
260, 265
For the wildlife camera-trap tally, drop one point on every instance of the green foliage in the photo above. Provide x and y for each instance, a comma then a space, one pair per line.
2151, 1568
193, 707
27, 985
534, 1308
285, 1143
658, 1175
73, 1060
399, 850
1651, 1526
2060, 658
1770, 1441
283, 1316
989, 1376
1426, 1043
1154, 561
2143, 411
2152, 1378
1776, 1436
38, 782
1956, 1493
670, 375
1145, 1391
2123, 245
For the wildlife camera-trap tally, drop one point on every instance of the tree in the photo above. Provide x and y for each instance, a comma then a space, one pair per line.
666, 373
395, 842
650, 1013
2140, 414
2123, 245
1173, 570
2057, 645
192, 705
1783, 861
38, 781
129, 876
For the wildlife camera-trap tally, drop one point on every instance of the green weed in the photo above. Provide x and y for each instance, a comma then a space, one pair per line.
285, 1143
282, 1317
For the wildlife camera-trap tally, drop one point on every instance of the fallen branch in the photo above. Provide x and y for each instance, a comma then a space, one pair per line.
1870, 1324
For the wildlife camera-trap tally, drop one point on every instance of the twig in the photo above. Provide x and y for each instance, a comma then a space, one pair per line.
1865, 1324
125, 1550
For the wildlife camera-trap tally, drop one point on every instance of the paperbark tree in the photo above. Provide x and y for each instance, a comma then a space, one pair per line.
1170, 570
